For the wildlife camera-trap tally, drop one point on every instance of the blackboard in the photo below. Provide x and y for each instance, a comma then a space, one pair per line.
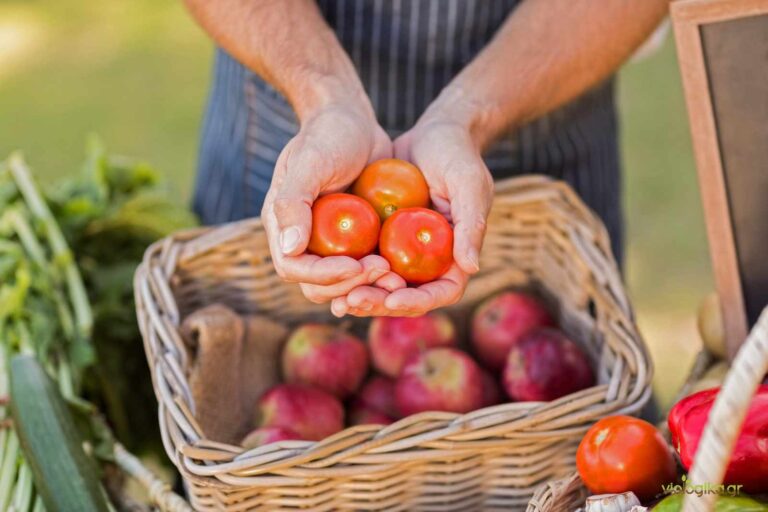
736, 55
723, 55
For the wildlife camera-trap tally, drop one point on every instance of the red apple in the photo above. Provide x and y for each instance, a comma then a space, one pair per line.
500, 321
439, 379
361, 414
394, 339
491, 389
379, 394
267, 435
545, 365
312, 413
325, 357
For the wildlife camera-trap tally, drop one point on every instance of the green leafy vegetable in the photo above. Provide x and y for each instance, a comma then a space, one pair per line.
66, 265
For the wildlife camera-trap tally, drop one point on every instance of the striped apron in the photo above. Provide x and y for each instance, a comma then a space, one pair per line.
405, 52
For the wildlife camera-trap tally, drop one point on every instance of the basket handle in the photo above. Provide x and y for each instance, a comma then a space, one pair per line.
160, 493
727, 415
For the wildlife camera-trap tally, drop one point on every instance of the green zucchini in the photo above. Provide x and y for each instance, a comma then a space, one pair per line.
64, 476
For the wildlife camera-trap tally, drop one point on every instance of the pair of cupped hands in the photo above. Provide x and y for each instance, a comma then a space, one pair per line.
330, 150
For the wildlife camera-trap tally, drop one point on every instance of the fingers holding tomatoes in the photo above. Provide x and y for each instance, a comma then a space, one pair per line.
303, 268
416, 242
362, 301
445, 291
405, 301
415, 246
334, 142
375, 271
470, 204
461, 186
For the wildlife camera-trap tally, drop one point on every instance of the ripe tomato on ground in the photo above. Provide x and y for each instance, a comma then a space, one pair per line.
343, 225
621, 453
418, 244
392, 184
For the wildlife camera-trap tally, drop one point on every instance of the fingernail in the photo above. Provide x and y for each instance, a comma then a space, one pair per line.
289, 239
473, 259
338, 309
365, 307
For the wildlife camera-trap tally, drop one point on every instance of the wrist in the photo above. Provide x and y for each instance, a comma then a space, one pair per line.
323, 92
457, 105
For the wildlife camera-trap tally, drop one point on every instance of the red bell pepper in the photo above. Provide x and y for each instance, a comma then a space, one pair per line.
749, 460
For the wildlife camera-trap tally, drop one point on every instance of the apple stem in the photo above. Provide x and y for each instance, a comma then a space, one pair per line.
421, 344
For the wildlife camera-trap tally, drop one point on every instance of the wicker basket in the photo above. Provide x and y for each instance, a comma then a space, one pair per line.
540, 236
563, 495
719, 436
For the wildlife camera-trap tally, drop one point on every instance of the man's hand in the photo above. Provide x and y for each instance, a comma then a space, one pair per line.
331, 148
339, 134
461, 188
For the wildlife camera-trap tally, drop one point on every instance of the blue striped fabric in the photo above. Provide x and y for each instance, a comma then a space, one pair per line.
405, 52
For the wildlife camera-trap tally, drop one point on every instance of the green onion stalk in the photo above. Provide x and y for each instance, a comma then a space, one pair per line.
44, 311
45, 308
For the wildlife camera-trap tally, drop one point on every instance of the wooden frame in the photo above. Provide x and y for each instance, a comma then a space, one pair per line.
688, 16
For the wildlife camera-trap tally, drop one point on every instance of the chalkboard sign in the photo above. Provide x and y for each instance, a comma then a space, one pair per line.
723, 52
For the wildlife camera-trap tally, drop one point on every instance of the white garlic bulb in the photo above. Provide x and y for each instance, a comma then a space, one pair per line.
612, 502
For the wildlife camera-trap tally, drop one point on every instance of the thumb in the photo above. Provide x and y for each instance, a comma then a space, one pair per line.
469, 211
293, 212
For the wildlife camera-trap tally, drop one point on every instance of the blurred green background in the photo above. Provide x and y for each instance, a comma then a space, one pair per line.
137, 72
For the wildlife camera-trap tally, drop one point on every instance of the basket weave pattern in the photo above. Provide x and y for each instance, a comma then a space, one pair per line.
539, 236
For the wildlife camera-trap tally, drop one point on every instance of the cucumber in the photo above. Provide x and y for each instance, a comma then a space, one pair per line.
64, 476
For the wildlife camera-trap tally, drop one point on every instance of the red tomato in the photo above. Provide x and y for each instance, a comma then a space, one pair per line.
620, 454
343, 225
391, 184
418, 244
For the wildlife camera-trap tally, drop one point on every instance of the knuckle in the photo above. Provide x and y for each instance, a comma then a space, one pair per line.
473, 223
282, 204
285, 273
479, 224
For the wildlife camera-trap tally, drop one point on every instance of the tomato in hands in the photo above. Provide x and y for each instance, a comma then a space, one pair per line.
621, 453
343, 225
392, 184
418, 244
